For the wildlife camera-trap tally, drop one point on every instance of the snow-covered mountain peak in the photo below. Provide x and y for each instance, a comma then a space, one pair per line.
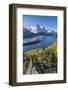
36, 28
49, 31
33, 28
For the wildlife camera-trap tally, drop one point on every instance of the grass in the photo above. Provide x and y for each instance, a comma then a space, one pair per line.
45, 59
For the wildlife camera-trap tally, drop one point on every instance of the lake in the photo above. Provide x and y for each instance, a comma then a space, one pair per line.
44, 43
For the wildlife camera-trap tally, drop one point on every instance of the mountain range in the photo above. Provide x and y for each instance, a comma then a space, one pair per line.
37, 30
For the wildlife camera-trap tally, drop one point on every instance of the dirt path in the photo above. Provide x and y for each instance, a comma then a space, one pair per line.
31, 69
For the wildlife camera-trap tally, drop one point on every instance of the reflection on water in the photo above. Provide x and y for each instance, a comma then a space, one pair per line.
45, 42
29, 40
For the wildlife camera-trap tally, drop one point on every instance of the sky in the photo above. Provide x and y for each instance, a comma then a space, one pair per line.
49, 22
